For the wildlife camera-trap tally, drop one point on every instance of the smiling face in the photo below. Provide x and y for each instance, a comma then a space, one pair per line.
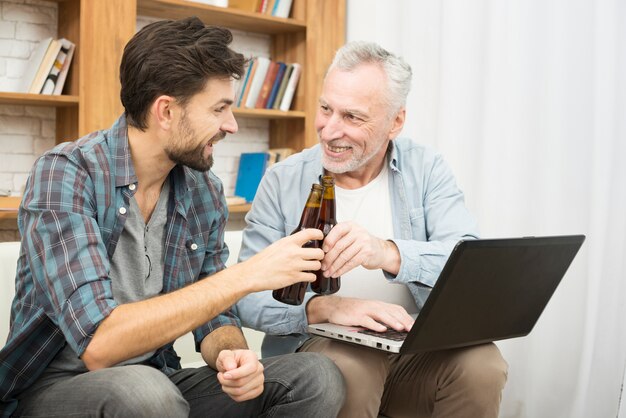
203, 121
353, 121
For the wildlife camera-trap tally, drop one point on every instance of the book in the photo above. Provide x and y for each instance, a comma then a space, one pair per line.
278, 154
283, 85
58, 88
266, 88
45, 66
246, 88
269, 7
283, 9
33, 65
240, 84
252, 167
275, 6
285, 103
277, 80
53, 76
257, 82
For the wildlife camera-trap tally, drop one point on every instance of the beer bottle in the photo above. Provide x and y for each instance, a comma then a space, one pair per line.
326, 285
294, 294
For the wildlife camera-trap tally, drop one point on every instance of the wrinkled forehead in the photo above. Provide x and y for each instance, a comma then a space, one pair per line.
359, 88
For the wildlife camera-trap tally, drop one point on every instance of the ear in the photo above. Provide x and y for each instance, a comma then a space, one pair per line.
163, 111
397, 123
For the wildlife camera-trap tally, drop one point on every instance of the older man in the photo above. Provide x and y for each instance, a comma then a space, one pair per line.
400, 213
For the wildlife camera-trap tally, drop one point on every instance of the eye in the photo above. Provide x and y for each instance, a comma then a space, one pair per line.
324, 108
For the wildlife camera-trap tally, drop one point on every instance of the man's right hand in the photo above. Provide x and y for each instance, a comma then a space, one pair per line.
371, 314
285, 262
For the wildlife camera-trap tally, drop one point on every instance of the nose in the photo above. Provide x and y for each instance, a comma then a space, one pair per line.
329, 126
230, 124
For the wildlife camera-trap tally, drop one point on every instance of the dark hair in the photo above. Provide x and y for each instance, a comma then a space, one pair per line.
177, 58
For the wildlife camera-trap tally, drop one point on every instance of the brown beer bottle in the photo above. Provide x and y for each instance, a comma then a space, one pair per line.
294, 294
326, 285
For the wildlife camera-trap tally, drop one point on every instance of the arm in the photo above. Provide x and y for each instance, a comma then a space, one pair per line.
266, 223
440, 220
239, 371
135, 328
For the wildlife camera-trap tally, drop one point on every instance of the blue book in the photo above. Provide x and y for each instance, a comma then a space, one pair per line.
245, 81
277, 80
251, 169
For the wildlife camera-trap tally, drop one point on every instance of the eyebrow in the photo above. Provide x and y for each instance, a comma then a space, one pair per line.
354, 112
225, 101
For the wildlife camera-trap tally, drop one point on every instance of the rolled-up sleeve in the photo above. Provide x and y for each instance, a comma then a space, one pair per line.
64, 249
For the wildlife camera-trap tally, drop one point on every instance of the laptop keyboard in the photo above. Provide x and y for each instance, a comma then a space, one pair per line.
390, 334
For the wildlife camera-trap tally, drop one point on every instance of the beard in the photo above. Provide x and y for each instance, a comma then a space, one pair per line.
356, 160
184, 153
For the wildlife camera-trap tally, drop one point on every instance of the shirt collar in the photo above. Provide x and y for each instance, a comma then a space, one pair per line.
117, 140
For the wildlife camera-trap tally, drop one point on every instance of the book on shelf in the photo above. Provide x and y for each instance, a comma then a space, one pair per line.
56, 78
282, 8
256, 83
281, 88
45, 66
246, 86
277, 80
278, 154
266, 88
235, 200
294, 77
252, 167
33, 64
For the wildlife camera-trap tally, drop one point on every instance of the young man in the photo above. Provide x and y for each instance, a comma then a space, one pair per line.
400, 213
122, 253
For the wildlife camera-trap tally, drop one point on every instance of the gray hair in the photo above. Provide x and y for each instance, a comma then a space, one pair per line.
398, 72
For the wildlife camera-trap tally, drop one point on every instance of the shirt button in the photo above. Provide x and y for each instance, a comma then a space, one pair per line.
123, 210
194, 247
132, 187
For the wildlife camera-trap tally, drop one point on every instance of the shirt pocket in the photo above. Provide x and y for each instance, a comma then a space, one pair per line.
418, 224
195, 249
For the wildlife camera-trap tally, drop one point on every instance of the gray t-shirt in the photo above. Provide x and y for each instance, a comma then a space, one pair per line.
136, 274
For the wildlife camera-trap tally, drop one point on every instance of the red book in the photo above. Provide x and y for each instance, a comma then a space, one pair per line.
264, 94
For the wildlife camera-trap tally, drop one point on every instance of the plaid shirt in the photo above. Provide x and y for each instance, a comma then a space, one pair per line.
71, 217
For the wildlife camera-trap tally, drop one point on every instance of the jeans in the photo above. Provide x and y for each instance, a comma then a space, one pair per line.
296, 385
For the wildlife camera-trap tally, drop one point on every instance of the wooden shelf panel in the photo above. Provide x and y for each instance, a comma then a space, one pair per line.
212, 15
10, 204
268, 113
38, 99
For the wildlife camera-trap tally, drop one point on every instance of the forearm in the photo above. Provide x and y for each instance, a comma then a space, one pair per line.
136, 328
224, 338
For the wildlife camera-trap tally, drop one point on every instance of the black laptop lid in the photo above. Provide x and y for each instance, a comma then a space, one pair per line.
490, 290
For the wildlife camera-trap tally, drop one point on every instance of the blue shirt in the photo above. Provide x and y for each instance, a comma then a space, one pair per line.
72, 214
429, 218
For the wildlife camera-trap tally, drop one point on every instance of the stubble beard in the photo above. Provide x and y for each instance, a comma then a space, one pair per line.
194, 157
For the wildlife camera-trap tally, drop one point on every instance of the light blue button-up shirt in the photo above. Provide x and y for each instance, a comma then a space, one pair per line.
429, 218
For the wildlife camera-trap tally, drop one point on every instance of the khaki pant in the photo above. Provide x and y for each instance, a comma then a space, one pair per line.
465, 382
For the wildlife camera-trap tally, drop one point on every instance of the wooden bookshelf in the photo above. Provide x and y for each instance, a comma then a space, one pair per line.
100, 29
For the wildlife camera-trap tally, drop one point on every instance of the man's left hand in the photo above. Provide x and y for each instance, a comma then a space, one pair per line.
349, 245
240, 373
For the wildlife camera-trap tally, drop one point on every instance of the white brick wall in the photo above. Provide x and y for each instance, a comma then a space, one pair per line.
27, 131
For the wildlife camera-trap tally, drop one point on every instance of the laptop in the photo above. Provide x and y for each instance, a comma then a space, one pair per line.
488, 290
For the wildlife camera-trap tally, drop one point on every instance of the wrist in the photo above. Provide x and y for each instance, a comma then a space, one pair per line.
391, 259
320, 308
